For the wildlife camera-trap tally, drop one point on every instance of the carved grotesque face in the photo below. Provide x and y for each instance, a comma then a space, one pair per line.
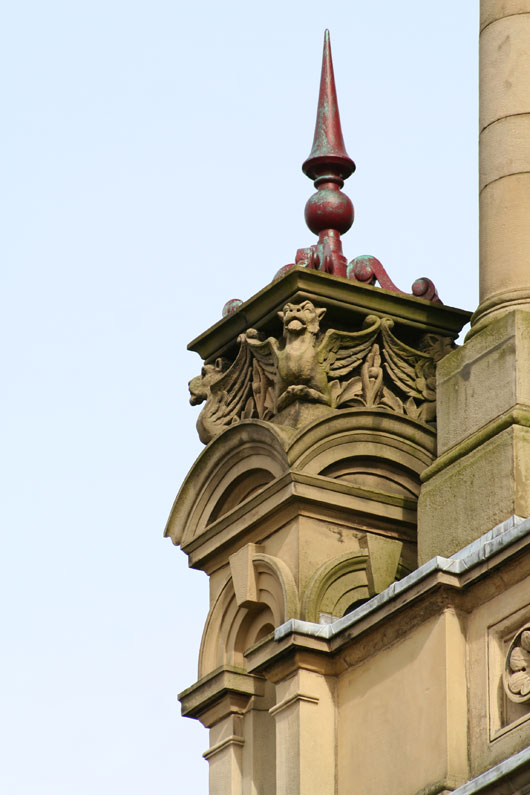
200, 385
299, 318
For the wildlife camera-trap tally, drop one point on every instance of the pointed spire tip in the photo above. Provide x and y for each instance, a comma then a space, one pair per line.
328, 143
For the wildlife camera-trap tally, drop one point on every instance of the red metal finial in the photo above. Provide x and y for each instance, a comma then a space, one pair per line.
328, 143
329, 212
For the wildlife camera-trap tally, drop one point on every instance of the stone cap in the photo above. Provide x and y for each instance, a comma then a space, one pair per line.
346, 302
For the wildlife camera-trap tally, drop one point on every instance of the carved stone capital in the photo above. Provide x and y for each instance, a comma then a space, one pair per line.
367, 368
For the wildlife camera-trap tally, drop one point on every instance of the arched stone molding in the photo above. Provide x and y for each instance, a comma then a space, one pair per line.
235, 465
369, 448
336, 585
243, 613
249, 566
372, 449
353, 577
282, 575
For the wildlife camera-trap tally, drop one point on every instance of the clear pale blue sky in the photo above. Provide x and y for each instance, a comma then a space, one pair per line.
150, 168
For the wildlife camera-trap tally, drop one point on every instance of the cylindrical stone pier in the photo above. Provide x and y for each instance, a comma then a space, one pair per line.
504, 158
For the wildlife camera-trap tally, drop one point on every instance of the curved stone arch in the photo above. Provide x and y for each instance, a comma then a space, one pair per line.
247, 448
210, 652
231, 628
226, 629
349, 568
284, 577
388, 450
341, 582
246, 628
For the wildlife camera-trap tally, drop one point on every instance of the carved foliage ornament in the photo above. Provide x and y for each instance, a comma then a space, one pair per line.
366, 368
517, 668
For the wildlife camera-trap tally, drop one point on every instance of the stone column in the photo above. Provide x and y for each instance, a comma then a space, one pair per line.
482, 474
225, 755
504, 158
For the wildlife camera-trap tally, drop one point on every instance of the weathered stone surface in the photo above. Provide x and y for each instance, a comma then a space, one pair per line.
483, 379
482, 471
474, 493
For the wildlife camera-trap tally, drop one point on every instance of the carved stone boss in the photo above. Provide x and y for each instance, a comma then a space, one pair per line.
517, 667
368, 368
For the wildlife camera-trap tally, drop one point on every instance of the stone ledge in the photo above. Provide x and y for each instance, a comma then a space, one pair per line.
502, 778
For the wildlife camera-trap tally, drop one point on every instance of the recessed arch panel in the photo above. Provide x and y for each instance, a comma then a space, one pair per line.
340, 583
233, 467
370, 448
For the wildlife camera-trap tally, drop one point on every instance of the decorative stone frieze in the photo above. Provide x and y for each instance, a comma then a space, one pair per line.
517, 668
370, 367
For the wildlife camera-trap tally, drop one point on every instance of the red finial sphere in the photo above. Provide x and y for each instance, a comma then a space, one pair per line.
329, 209
231, 306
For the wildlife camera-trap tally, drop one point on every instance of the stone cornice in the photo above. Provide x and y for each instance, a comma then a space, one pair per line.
343, 299
296, 493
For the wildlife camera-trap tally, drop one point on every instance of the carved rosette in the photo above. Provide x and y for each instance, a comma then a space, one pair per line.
368, 368
516, 677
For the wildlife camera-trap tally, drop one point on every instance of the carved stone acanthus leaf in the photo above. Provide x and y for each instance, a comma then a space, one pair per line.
369, 368
517, 667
